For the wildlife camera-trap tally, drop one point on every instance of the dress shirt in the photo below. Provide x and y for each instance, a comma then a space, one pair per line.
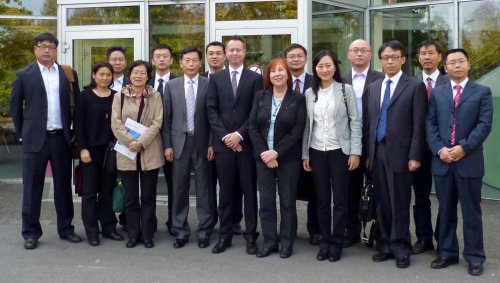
433, 77
324, 133
394, 80
238, 76
195, 85
302, 79
51, 82
118, 84
165, 78
462, 84
358, 84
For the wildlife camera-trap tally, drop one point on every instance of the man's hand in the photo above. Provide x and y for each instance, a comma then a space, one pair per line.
445, 156
456, 153
353, 162
85, 156
268, 155
305, 164
232, 140
413, 165
272, 164
169, 154
210, 153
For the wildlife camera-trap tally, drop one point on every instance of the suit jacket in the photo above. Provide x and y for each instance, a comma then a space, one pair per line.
474, 116
151, 82
228, 113
405, 134
126, 81
288, 127
307, 82
348, 134
441, 80
28, 90
175, 124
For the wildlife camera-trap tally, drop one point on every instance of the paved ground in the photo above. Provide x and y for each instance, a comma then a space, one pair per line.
60, 261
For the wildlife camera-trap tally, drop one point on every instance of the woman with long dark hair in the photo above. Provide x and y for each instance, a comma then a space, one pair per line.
331, 147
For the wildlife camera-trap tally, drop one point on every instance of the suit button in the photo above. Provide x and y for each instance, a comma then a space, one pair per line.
234, 111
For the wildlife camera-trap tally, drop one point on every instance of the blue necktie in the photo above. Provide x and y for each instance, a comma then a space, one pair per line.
382, 120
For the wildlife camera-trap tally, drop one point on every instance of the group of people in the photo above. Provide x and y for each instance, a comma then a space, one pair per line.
282, 134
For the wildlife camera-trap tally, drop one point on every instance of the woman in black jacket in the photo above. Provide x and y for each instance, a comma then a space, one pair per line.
277, 123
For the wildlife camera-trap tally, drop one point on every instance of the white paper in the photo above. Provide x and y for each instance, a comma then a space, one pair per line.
123, 149
135, 130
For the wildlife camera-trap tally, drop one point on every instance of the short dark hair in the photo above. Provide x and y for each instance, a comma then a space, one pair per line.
163, 46
316, 81
237, 38
455, 50
294, 46
137, 63
216, 43
429, 42
394, 45
46, 36
113, 49
95, 69
189, 49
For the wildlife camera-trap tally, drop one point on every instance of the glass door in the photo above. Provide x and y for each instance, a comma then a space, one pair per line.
83, 49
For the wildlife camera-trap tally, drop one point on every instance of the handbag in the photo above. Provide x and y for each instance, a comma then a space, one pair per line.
367, 209
78, 180
118, 197
109, 163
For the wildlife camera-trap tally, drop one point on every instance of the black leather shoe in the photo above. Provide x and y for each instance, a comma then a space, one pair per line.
475, 268
115, 236
203, 243
221, 246
403, 262
442, 262
179, 243
314, 239
237, 229
381, 256
349, 242
285, 252
265, 251
334, 254
71, 237
31, 243
148, 243
131, 243
93, 241
251, 247
322, 255
422, 247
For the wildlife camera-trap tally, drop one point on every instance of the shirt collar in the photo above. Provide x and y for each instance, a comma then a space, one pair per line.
365, 72
165, 77
195, 79
120, 79
239, 69
394, 79
42, 67
433, 76
302, 78
462, 84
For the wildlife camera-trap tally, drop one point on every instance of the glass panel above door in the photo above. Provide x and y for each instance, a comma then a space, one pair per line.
248, 11
103, 16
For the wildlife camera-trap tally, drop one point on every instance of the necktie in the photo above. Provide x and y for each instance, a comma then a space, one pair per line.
429, 87
190, 103
382, 120
456, 100
297, 86
160, 86
234, 82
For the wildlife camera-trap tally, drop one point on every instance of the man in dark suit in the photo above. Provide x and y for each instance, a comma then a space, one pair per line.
116, 57
429, 57
186, 135
296, 59
40, 109
395, 118
162, 60
360, 76
458, 122
229, 101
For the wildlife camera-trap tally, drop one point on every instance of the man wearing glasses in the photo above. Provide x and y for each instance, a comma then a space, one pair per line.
395, 131
40, 109
116, 57
360, 76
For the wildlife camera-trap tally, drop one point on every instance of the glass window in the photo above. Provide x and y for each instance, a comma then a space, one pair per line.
334, 28
103, 16
410, 26
385, 2
29, 7
268, 10
178, 26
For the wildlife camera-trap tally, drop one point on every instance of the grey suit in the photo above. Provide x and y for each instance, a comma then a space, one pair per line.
189, 151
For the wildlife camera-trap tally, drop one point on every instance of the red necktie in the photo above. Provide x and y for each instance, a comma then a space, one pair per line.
297, 86
457, 89
429, 87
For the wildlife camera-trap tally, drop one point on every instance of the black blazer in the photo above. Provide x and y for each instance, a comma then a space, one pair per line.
228, 113
288, 127
126, 81
28, 106
405, 122
307, 82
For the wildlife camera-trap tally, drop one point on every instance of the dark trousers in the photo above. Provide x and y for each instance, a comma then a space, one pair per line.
167, 171
356, 181
57, 151
451, 188
238, 200
140, 214
97, 198
422, 186
306, 190
231, 167
331, 178
393, 196
287, 177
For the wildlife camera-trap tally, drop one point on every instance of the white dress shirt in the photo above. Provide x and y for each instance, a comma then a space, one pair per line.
394, 83
51, 82
358, 84
324, 130
165, 78
433, 77
238, 76
195, 85
118, 84
302, 80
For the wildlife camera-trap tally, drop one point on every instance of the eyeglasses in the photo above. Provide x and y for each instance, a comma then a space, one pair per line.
117, 60
139, 74
296, 56
44, 47
360, 51
456, 62
393, 58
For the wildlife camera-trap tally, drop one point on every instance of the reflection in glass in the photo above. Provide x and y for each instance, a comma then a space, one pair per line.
103, 16
29, 7
261, 49
335, 30
268, 10
385, 2
178, 26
